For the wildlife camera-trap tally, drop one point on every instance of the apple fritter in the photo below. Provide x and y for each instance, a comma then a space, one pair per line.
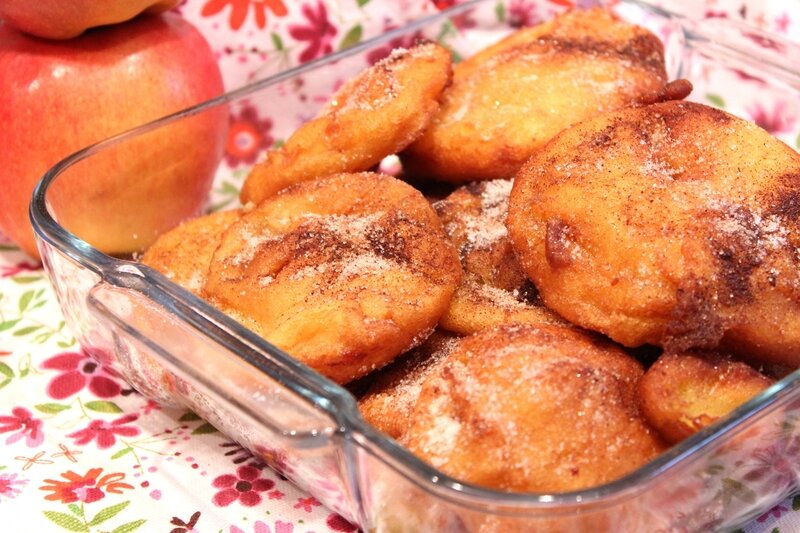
683, 393
184, 254
673, 224
532, 409
344, 273
393, 393
508, 100
374, 115
494, 289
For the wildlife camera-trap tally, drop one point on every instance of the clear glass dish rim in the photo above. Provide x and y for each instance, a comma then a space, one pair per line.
332, 399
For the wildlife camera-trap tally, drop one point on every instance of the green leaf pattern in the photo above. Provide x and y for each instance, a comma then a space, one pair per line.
108, 513
66, 521
103, 406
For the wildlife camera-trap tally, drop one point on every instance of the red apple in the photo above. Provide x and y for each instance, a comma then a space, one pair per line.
59, 96
64, 19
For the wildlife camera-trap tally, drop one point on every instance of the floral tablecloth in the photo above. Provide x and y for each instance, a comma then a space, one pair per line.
80, 450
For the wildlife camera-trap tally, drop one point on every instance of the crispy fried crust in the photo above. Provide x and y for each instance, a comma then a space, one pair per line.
673, 224
344, 273
683, 393
184, 254
511, 98
376, 114
532, 409
494, 289
391, 397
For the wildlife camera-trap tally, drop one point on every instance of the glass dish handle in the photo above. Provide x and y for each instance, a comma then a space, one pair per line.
171, 361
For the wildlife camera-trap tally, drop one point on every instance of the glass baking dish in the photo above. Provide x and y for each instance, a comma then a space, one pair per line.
174, 347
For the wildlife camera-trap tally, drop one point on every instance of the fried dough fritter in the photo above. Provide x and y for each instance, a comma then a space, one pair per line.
683, 393
508, 100
673, 224
532, 409
376, 114
494, 289
344, 273
184, 254
391, 397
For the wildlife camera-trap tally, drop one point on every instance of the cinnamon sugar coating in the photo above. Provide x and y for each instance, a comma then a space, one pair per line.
344, 272
509, 99
494, 289
532, 409
683, 393
184, 254
673, 224
376, 114
395, 389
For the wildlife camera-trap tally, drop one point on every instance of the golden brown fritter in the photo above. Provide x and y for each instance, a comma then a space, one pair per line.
532, 409
376, 114
508, 100
394, 391
184, 253
344, 273
674, 224
494, 289
683, 393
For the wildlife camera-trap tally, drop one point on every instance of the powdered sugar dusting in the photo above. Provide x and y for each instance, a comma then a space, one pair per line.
252, 242
763, 234
195, 282
441, 438
358, 257
659, 169
487, 227
366, 263
351, 227
373, 89
500, 297
310, 271
406, 391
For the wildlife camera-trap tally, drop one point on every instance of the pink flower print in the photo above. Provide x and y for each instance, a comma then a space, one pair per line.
276, 459
776, 466
25, 425
782, 22
261, 527
282, 527
244, 486
149, 407
746, 76
105, 433
319, 32
307, 504
776, 511
78, 370
239, 9
522, 13
87, 488
10, 486
404, 41
779, 120
461, 21
248, 136
337, 523
6, 271
764, 41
